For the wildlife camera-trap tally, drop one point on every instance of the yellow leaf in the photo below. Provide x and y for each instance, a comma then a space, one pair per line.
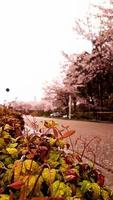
1, 165
2, 142
12, 151
4, 197
105, 195
17, 169
8, 127
96, 190
30, 182
13, 145
50, 124
30, 165
1, 129
6, 135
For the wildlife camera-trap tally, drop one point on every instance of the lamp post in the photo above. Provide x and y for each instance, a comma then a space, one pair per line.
7, 90
70, 102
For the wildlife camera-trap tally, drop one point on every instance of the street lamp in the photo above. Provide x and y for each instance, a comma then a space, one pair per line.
7, 89
70, 104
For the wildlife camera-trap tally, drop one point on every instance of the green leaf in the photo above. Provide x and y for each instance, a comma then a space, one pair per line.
6, 135
68, 191
60, 143
53, 157
8, 161
7, 176
60, 189
85, 185
78, 192
13, 145
49, 175
1, 129
38, 187
52, 141
63, 165
1, 165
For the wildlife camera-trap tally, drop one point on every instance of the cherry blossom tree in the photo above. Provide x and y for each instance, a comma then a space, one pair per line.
91, 74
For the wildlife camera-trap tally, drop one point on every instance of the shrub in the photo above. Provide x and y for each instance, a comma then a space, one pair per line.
41, 166
13, 118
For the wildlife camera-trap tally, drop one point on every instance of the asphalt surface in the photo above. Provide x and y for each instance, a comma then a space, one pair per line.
100, 136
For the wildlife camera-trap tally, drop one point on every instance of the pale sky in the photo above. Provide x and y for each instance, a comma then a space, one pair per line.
33, 33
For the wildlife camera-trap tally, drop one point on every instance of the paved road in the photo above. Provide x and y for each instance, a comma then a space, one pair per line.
103, 133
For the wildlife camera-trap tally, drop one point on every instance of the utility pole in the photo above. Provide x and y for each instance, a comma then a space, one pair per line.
70, 102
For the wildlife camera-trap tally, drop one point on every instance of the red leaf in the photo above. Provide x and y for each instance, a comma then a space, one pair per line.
66, 127
100, 180
71, 177
67, 134
55, 132
78, 158
16, 185
1, 190
69, 159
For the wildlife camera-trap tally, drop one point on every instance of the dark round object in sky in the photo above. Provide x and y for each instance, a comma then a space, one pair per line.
7, 89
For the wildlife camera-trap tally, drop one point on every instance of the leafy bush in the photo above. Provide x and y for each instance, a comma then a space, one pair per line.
13, 118
41, 166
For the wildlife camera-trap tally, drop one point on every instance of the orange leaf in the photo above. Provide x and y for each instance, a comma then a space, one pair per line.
22, 196
16, 185
11, 197
31, 155
67, 134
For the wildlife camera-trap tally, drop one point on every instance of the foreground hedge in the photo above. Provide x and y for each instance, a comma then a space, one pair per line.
40, 166
13, 118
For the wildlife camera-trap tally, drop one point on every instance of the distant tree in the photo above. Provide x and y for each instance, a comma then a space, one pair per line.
57, 95
88, 75
91, 74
